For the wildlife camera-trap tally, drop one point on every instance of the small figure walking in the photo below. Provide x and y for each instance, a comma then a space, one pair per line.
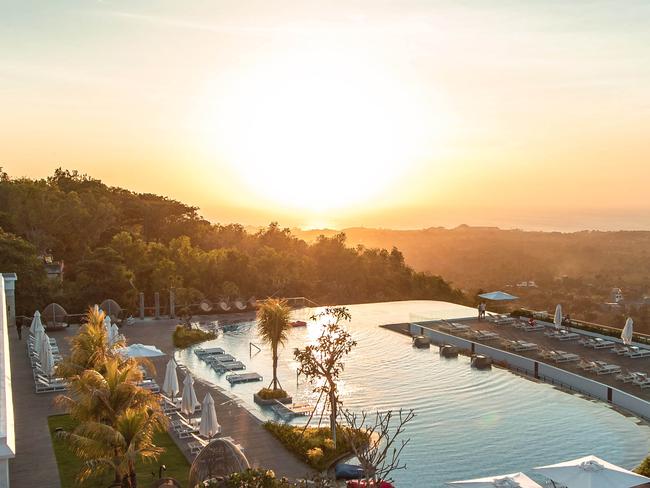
480, 311
19, 329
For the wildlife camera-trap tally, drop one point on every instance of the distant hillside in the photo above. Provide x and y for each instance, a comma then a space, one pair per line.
479, 257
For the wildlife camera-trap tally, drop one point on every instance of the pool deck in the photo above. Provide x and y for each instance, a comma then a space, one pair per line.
545, 343
33, 444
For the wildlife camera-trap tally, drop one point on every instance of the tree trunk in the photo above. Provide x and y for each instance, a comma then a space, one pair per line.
333, 414
275, 368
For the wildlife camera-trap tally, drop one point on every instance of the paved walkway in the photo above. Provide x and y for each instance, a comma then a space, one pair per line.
35, 464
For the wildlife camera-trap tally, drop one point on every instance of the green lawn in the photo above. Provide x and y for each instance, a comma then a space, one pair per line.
172, 458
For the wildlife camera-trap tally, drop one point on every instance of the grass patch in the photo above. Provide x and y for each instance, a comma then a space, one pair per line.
315, 446
271, 394
173, 458
184, 337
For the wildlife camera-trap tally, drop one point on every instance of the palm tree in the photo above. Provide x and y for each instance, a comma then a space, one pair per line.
272, 325
104, 447
90, 348
104, 396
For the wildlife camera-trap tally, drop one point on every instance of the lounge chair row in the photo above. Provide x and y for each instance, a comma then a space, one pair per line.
637, 377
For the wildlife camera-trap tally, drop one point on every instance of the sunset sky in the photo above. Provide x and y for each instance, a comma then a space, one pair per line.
532, 114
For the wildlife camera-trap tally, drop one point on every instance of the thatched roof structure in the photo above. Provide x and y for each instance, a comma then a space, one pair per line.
218, 459
54, 316
112, 309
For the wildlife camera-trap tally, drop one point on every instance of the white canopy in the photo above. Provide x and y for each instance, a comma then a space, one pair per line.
591, 472
557, 318
498, 296
209, 427
628, 330
35, 320
514, 480
189, 401
141, 351
170, 385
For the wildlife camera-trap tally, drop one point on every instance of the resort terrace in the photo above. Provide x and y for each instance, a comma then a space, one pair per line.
575, 353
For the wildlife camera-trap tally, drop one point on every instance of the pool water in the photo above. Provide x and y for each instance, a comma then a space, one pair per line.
468, 423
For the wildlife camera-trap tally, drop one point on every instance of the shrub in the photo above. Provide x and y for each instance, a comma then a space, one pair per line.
184, 337
271, 394
644, 467
315, 446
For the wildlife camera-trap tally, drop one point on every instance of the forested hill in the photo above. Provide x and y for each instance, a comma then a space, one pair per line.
479, 257
115, 243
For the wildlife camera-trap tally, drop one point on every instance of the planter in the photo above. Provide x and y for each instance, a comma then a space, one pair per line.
271, 401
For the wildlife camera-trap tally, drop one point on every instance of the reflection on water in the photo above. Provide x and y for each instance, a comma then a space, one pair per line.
468, 423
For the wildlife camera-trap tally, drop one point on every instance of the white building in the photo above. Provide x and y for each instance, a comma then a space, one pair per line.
7, 438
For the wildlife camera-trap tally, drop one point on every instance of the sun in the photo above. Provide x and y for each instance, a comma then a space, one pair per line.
321, 132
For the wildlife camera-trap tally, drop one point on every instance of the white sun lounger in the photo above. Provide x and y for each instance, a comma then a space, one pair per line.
533, 328
608, 369
45, 385
626, 377
603, 344
637, 352
565, 357
568, 336
485, 335
523, 346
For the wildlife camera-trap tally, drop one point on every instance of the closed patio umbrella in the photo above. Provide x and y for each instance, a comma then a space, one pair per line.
628, 330
189, 401
209, 426
115, 333
109, 331
557, 318
38, 337
514, 480
591, 472
46, 357
35, 320
170, 385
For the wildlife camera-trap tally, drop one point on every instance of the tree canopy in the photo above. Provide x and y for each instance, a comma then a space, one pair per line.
115, 243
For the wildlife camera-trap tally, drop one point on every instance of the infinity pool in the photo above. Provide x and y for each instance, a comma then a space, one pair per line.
468, 423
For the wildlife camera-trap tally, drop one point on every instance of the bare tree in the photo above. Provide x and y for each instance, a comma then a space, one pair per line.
324, 359
380, 456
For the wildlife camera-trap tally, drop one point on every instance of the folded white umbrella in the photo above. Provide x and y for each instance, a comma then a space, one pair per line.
628, 330
46, 357
35, 320
189, 401
170, 385
591, 472
209, 426
109, 331
557, 318
141, 351
39, 331
115, 333
514, 480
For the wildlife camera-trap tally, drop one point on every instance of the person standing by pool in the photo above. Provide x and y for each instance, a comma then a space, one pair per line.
19, 328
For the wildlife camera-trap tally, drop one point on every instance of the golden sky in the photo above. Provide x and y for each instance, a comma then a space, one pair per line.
394, 114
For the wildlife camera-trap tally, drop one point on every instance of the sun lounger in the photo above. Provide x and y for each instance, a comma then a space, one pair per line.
533, 328
501, 319
199, 351
485, 335
626, 377
46, 385
228, 366
602, 343
568, 336
522, 346
588, 365
565, 357
637, 352
220, 358
608, 369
